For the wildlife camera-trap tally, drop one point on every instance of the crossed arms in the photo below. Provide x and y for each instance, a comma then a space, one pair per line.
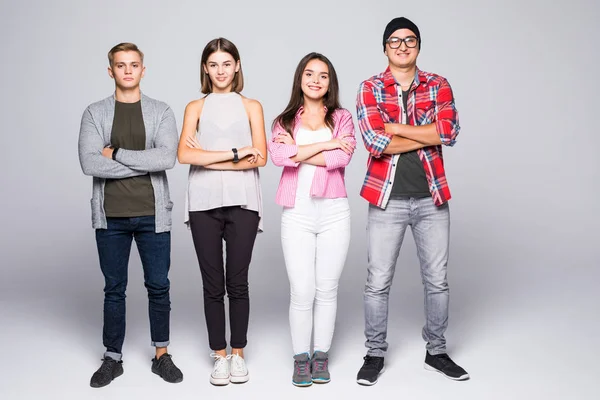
190, 152
332, 154
391, 138
95, 160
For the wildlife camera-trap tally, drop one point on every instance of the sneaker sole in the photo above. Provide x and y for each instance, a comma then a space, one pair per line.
460, 378
114, 377
239, 379
365, 382
177, 381
302, 384
219, 381
321, 381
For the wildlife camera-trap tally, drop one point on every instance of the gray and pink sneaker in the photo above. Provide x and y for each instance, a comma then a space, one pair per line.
319, 367
301, 375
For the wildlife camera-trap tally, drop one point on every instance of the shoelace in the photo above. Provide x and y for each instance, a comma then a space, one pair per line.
445, 359
221, 362
107, 364
371, 362
164, 358
302, 367
237, 361
320, 365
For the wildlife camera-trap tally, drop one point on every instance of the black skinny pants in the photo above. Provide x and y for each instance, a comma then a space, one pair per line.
238, 228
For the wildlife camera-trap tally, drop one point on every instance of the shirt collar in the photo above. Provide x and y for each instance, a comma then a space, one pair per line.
389, 80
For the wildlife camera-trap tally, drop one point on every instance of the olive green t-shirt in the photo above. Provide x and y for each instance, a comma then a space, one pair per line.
128, 197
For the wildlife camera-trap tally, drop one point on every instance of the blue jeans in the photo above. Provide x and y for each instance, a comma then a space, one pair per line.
114, 247
430, 226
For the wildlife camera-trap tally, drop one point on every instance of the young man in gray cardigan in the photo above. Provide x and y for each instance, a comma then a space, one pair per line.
126, 142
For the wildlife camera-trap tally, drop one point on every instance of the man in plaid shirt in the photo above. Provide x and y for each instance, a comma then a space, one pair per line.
405, 115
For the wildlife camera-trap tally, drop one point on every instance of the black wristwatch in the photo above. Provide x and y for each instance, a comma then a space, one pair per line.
114, 154
235, 155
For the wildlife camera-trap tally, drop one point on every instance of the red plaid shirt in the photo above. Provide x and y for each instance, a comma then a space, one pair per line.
430, 100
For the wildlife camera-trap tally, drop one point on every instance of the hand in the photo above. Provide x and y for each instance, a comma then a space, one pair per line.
192, 142
339, 143
108, 152
251, 152
284, 138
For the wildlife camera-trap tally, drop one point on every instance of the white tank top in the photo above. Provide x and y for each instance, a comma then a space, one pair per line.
223, 125
306, 172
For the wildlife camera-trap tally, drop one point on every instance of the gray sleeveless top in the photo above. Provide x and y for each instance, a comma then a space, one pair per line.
223, 125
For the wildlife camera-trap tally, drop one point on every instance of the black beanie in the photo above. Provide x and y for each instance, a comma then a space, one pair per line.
400, 23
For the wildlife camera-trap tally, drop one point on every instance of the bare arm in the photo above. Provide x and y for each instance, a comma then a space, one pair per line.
308, 151
259, 141
402, 145
444, 126
314, 153
196, 156
318, 160
424, 134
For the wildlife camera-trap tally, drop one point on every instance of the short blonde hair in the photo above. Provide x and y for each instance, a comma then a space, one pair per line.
123, 47
220, 44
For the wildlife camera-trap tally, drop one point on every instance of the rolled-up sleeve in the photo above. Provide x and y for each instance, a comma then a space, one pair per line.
345, 128
370, 122
280, 152
446, 115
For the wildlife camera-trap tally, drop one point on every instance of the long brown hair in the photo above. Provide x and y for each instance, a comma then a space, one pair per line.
220, 44
330, 100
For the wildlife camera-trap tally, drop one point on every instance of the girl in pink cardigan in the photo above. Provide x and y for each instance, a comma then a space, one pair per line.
313, 140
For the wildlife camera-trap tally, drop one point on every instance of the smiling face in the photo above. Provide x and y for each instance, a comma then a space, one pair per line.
127, 69
403, 56
221, 69
315, 80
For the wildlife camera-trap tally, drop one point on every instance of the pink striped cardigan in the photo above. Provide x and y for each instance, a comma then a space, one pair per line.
328, 181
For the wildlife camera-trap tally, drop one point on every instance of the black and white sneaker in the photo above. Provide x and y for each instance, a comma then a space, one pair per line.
370, 370
166, 369
109, 370
443, 364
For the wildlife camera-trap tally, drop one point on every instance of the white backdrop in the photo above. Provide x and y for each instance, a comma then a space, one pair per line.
523, 176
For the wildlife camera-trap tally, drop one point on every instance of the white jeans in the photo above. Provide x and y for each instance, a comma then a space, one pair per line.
315, 235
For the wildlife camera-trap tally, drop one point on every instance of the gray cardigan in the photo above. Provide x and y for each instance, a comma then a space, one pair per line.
160, 155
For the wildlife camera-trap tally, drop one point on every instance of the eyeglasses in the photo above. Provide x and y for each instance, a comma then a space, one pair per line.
396, 42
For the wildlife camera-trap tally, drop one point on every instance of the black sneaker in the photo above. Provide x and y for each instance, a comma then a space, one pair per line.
165, 368
109, 370
444, 365
370, 371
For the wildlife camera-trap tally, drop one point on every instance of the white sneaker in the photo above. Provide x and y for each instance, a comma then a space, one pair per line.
239, 372
220, 374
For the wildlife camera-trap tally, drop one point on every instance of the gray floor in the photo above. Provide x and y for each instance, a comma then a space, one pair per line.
525, 342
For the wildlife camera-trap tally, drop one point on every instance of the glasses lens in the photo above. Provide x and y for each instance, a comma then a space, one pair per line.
410, 41
394, 42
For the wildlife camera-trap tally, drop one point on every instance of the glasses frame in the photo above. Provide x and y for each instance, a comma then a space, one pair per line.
402, 40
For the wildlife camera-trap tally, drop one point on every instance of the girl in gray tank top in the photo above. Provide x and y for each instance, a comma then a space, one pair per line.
223, 140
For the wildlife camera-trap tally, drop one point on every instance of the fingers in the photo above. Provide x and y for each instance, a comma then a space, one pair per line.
254, 154
346, 147
284, 138
192, 142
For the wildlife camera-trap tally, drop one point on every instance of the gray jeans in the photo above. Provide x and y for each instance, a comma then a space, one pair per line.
430, 226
